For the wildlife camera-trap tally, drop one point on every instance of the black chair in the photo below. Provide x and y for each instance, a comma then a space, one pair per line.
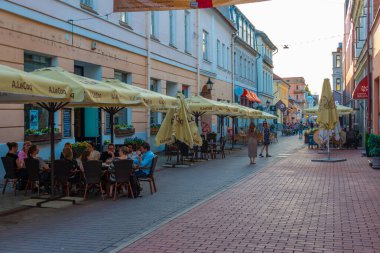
10, 172
205, 150
221, 149
150, 177
93, 175
123, 171
62, 170
33, 168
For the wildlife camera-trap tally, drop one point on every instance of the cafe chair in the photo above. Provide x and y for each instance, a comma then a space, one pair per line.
221, 148
150, 177
33, 168
123, 171
93, 175
10, 172
62, 170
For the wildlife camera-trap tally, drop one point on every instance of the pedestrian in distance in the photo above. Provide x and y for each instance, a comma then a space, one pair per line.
266, 140
252, 143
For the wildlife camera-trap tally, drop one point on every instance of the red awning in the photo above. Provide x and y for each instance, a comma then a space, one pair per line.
361, 90
251, 96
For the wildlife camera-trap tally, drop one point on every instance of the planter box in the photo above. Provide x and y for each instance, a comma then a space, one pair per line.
374, 162
124, 132
42, 137
154, 131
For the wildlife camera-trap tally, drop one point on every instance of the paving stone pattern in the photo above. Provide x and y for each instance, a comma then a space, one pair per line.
293, 206
101, 226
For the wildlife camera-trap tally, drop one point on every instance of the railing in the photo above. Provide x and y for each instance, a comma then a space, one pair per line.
268, 60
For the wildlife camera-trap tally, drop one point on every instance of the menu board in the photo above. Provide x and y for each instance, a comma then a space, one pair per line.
66, 122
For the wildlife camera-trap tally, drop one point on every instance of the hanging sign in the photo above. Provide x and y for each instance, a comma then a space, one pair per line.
161, 5
361, 90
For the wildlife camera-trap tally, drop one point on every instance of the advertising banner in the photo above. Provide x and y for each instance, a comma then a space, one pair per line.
161, 5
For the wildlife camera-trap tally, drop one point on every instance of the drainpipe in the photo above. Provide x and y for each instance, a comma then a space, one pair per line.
148, 41
369, 120
234, 35
198, 52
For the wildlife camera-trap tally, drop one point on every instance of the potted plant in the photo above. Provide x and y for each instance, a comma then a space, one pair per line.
134, 142
154, 128
41, 135
124, 130
79, 147
374, 150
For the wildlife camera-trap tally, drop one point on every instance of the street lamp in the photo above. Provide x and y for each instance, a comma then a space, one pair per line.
209, 84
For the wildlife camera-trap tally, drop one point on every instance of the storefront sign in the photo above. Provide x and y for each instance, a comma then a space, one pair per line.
33, 119
361, 90
160, 5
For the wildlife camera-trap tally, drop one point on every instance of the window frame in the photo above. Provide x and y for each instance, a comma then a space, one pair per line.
205, 46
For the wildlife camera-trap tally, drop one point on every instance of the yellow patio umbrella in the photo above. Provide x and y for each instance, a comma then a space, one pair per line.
327, 113
179, 125
151, 99
342, 110
165, 134
88, 92
265, 115
201, 105
327, 117
17, 86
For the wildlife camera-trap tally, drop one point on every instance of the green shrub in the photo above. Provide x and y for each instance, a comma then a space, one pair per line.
79, 147
135, 142
123, 126
374, 145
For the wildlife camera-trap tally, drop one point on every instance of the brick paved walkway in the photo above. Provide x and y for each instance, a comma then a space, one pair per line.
293, 206
101, 226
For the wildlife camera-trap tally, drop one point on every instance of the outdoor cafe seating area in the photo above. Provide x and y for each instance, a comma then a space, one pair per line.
54, 89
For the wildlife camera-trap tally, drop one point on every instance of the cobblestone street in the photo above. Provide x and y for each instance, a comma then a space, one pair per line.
102, 226
293, 206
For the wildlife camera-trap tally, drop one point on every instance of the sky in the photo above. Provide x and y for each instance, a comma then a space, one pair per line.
311, 28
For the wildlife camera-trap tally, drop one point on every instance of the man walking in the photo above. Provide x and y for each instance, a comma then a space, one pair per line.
266, 140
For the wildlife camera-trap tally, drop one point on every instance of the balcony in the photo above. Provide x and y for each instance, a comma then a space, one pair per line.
268, 60
299, 91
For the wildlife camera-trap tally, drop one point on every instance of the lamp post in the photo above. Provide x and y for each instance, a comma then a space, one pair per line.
207, 88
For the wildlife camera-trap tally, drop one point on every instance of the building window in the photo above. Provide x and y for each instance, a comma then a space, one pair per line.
235, 64
218, 53
240, 27
228, 59
338, 84
125, 18
241, 66
297, 87
154, 24
187, 32
89, 3
36, 118
124, 116
173, 27
205, 45
154, 115
338, 61
223, 56
186, 90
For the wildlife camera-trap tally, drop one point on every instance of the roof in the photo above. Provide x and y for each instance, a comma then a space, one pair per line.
276, 77
266, 39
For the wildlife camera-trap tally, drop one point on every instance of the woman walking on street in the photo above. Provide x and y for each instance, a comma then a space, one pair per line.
266, 140
252, 143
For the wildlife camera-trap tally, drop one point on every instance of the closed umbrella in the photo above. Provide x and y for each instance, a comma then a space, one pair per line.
165, 134
327, 116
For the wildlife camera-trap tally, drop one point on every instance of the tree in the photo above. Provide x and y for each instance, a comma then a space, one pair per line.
307, 90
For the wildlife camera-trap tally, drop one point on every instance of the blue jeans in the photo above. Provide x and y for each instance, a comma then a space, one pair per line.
141, 173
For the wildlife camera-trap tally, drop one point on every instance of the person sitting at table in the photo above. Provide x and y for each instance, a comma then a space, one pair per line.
108, 155
94, 154
70, 146
23, 154
144, 161
123, 155
20, 170
75, 171
84, 157
12, 153
44, 168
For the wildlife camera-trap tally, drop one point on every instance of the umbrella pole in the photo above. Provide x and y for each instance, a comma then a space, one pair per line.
111, 126
52, 148
233, 132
